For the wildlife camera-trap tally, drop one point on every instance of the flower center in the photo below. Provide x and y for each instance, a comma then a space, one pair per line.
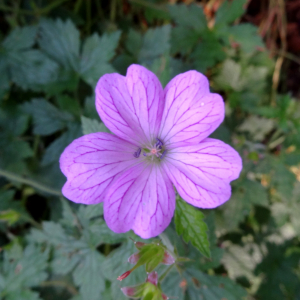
156, 151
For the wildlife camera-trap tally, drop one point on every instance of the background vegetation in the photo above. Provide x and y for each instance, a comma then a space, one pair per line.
51, 55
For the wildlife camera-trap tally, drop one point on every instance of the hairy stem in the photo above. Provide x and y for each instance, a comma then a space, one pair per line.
30, 182
165, 273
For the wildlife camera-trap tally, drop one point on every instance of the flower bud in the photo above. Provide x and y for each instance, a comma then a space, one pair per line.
134, 291
139, 245
128, 291
133, 259
123, 276
152, 278
168, 259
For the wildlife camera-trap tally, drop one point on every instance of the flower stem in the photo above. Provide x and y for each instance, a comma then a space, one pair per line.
30, 182
165, 273
113, 8
12, 9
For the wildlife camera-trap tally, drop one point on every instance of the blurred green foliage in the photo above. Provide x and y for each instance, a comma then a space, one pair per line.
51, 55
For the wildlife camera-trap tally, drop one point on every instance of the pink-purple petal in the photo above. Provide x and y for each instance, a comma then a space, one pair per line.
142, 199
131, 107
191, 112
153, 278
133, 259
168, 259
91, 163
202, 173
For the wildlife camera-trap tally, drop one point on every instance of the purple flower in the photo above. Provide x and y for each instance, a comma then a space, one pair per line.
159, 141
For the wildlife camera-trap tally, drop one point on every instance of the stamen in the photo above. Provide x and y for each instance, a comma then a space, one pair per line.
137, 153
159, 143
163, 154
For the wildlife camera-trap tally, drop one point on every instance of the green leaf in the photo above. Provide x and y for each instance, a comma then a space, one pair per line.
279, 280
171, 286
20, 38
4, 79
244, 196
183, 39
67, 103
229, 76
151, 255
96, 54
99, 234
229, 11
88, 275
10, 216
203, 286
155, 12
153, 37
216, 251
117, 261
257, 127
282, 179
27, 271
92, 126
13, 122
189, 222
208, 52
134, 42
241, 261
89, 108
23, 295
13, 150
5, 199
46, 117
88, 212
12, 154
191, 16
246, 35
28, 68
60, 40
52, 233
64, 261
66, 80
56, 148
287, 211
32, 69
68, 215
116, 264
160, 67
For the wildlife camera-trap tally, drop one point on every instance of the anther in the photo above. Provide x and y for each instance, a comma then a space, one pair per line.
159, 143
163, 154
137, 153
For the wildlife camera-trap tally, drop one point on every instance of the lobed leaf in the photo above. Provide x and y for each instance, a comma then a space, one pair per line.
189, 222
46, 117
153, 37
60, 40
92, 126
229, 11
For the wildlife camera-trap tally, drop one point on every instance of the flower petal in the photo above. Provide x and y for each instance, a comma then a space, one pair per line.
191, 112
131, 106
91, 163
152, 278
202, 173
142, 199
